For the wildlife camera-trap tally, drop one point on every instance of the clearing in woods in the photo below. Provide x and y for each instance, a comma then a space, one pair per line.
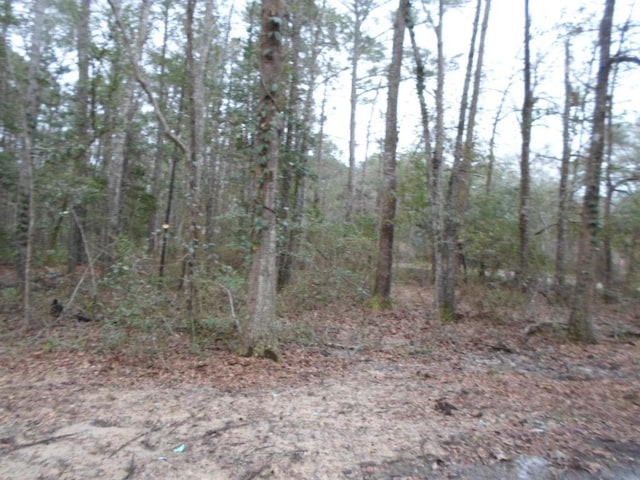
367, 395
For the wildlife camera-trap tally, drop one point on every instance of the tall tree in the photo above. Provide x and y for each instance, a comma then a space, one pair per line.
360, 9
29, 125
82, 128
563, 189
382, 286
127, 106
434, 171
257, 329
197, 56
458, 188
421, 74
580, 323
525, 182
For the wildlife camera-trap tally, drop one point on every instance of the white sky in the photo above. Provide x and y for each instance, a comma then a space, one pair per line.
503, 64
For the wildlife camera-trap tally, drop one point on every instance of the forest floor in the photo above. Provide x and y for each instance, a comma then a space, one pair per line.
367, 395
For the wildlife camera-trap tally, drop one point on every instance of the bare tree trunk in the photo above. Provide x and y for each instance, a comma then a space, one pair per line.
527, 119
160, 156
580, 324
215, 170
607, 232
632, 257
257, 330
563, 194
431, 184
382, 286
196, 56
436, 204
360, 10
29, 120
451, 248
127, 107
492, 140
183, 147
83, 44
292, 130
607, 247
468, 152
292, 231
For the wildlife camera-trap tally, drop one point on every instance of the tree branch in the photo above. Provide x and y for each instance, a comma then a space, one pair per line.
144, 83
624, 59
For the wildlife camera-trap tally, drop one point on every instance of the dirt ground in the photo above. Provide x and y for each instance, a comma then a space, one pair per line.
369, 395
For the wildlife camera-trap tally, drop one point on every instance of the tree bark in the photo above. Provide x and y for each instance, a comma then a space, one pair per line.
360, 10
382, 286
451, 246
29, 122
563, 193
83, 45
436, 201
431, 176
525, 182
580, 323
295, 198
257, 329
127, 107
197, 55
609, 295
160, 156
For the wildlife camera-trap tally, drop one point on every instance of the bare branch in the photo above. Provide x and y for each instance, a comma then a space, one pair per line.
144, 83
624, 59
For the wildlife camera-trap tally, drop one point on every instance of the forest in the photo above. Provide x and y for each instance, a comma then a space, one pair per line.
158, 149
196, 189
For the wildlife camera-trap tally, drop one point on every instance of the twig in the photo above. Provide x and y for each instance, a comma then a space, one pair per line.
233, 310
160, 355
342, 347
143, 82
499, 347
131, 469
75, 290
227, 426
86, 251
127, 444
41, 442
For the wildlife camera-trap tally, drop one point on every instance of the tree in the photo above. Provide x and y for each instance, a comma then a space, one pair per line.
525, 181
76, 252
361, 46
458, 191
29, 110
563, 189
308, 42
257, 329
382, 287
580, 323
432, 171
126, 106
197, 56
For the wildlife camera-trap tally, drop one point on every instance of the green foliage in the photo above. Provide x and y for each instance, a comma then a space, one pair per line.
8, 170
334, 264
496, 301
491, 229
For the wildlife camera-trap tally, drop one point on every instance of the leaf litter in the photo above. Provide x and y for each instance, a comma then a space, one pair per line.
369, 395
